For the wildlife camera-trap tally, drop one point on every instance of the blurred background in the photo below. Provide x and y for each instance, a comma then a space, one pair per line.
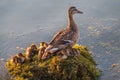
23, 22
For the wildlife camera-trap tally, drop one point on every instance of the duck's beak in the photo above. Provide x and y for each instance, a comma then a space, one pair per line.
80, 12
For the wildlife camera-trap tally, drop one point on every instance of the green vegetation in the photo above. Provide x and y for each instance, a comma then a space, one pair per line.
81, 67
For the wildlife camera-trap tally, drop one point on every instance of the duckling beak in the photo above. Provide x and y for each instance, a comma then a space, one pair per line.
80, 12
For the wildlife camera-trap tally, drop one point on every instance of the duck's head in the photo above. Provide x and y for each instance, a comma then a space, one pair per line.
73, 10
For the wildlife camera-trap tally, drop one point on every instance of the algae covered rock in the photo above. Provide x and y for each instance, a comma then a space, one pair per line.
79, 67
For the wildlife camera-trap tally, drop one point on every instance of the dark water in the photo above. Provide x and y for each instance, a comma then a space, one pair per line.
23, 22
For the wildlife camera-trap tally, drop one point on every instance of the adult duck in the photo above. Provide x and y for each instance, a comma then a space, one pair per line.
66, 37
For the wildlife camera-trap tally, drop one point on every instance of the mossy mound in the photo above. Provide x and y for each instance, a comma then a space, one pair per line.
81, 67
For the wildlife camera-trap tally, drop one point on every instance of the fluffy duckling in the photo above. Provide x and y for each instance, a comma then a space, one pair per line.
46, 55
69, 52
34, 48
42, 48
63, 44
31, 51
19, 58
14, 59
64, 54
43, 44
69, 35
73, 52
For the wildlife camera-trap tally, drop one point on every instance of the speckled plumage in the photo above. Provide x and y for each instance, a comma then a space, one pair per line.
71, 33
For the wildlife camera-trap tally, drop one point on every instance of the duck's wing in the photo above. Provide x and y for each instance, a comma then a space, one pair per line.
57, 36
62, 44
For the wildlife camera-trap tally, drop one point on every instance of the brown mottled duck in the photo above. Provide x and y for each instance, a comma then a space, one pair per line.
66, 37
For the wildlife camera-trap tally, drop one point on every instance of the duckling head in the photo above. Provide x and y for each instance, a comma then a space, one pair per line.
73, 10
20, 55
33, 46
43, 44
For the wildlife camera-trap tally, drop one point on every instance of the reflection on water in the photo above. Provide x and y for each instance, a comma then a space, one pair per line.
23, 22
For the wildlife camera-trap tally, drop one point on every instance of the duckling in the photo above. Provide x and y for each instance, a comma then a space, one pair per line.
14, 59
19, 58
64, 54
34, 48
42, 48
43, 44
31, 51
73, 52
70, 34
63, 44
46, 55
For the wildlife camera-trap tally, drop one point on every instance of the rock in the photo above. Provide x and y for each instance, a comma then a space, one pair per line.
80, 66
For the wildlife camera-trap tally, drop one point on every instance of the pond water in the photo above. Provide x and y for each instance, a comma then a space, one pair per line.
23, 22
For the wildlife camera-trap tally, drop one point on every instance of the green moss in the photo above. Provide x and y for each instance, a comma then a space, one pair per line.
80, 67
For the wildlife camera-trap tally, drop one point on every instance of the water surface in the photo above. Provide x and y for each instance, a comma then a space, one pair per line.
23, 22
